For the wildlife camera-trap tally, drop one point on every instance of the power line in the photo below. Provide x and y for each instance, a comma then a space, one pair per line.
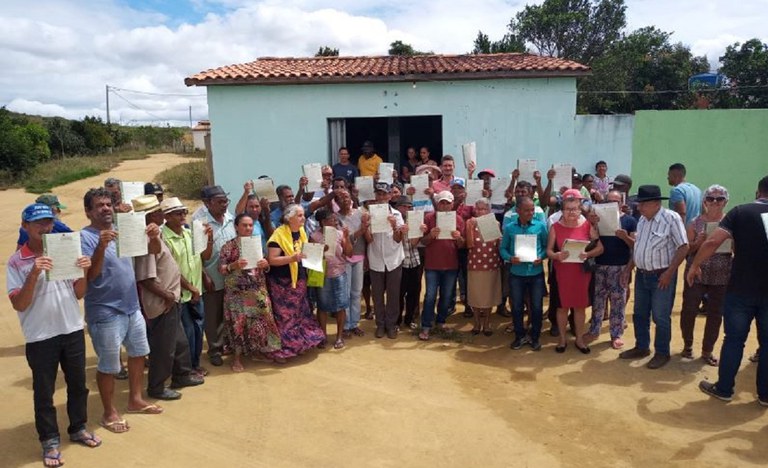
154, 94
135, 106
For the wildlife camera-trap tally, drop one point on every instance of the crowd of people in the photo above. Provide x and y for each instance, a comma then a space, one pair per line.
518, 252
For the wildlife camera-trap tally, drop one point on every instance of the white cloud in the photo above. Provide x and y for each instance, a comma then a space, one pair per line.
58, 56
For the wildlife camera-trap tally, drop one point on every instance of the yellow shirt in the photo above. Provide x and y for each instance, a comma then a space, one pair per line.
369, 166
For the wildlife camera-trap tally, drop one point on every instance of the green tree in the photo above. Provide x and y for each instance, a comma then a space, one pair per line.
746, 66
400, 48
640, 64
579, 30
95, 133
62, 139
326, 51
23, 144
508, 43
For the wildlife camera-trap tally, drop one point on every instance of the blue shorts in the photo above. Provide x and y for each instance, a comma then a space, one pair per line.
334, 295
107, 337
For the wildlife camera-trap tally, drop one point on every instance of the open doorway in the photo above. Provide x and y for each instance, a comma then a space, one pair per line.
391, 136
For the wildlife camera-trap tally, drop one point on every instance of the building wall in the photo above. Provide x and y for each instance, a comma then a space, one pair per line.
728, 147
604, 138
274, 129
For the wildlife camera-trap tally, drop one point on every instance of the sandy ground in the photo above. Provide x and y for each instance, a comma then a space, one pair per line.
386, 403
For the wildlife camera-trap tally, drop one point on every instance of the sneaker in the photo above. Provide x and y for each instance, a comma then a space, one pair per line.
535, 345
711, 389
519, 342
413, 326
380, 331
658, 361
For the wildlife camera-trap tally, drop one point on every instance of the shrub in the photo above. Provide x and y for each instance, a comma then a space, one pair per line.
185, 180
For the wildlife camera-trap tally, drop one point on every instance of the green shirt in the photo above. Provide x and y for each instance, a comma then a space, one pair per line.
190, 265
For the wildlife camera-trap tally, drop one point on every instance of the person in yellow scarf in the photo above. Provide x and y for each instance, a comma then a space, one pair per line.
287, 280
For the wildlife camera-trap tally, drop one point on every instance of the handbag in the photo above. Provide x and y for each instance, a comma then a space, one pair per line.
590, 264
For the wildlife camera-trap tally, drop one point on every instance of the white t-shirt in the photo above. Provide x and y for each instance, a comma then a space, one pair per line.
54, 309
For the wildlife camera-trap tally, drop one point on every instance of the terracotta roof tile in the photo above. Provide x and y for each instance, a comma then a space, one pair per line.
289, 70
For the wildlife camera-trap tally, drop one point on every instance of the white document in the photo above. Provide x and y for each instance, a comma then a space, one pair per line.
726, 246
563, 176
609, 218
64, 249
474, 188
488, 227
330, 236
250, 249
314, 174
446, 221
131, 190
265, 188
385, 172
199, 237
525, 247
526, 168
364, 185
314, 253
574, 249
765, 223
420, 183
499, 187
470, 153
131, 234
415, 220
379, 214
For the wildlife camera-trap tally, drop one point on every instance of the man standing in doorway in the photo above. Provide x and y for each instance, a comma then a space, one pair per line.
344, 168
368, 163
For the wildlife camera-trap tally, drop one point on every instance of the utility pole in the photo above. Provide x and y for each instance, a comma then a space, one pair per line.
108, 120
190, 117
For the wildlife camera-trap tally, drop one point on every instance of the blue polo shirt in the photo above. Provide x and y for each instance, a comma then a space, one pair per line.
507, 248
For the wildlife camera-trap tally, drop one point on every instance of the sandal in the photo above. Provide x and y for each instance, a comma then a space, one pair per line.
85, 438
339, 344
52, 456
710, 360
117, 426
424, 336
357, 331
510, 328
149, 409
123, 374
475, 331
237, 367
617, 343
687, 353
347, 334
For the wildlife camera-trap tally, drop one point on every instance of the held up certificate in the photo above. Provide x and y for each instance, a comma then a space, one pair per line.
314, 174
379, 222
499, 187
609, 218
726, 246
764, 216
364, 185
574, 249
419, 184
265, 188
527, 167
131, 234
469, 150
415, 220
385, 172
330, 235
563, 176
131, 190
446, 221
525, 247
64, 250
474, 191
314, 253
250, 249
199, 239
488, 227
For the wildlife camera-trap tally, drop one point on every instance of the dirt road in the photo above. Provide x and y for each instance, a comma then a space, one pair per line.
395, 403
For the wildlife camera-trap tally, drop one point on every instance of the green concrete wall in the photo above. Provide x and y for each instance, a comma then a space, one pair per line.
726, 147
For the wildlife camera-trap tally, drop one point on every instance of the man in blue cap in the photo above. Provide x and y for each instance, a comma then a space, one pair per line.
52, 201
53, 330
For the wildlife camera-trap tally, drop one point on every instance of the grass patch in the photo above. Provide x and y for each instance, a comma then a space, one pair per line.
184, 180
63, 171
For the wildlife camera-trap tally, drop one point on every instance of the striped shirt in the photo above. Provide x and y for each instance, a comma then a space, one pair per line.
658, 239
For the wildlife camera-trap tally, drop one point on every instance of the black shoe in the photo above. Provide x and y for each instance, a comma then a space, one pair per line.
584, 350
657, 361
380, 331
635, 353
167, 394
189, 380
392, 333
216, 360
535, 345
554, 331
711, 389
501, 310
519, 342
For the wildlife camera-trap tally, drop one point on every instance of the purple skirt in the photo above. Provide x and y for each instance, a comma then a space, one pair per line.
299, 330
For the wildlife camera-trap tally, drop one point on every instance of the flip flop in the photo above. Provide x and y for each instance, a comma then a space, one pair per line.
117, 426
339, 344
56, 457
149, 409
85, 438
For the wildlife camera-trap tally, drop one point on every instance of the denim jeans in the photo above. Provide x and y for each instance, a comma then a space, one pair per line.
44, 358
652, 302
520, 287
738, 312
192, 319
444, 282
355, 287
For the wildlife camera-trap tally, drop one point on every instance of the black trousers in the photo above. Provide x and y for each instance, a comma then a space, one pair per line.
168, 349
410, 292
44, 358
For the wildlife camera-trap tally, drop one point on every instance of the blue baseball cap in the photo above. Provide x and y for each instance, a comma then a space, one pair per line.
36, 211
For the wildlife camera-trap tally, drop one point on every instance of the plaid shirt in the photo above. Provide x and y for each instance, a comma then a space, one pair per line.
411, 259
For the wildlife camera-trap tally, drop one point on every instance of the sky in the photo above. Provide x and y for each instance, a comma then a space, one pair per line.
58, 56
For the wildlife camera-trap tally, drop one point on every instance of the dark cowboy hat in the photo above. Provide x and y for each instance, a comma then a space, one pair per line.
649, 193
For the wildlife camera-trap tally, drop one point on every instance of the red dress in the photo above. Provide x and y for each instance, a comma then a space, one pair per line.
572, 280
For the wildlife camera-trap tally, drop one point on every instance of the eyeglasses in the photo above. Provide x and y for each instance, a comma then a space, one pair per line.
572, 210
715, 199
